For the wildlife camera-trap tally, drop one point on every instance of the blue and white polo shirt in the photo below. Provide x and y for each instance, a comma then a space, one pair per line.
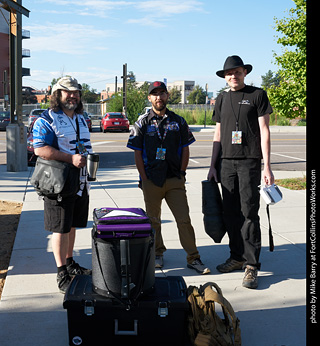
59, 131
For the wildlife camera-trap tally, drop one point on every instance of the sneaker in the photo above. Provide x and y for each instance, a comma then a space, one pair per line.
75, 269
63, 280
250, 279
230, 265
198, 266
159, 261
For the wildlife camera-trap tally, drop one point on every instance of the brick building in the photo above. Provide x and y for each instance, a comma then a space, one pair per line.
4, 54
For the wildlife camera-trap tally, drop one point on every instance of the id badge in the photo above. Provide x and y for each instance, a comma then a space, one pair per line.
161, 153
236, 137
81, 147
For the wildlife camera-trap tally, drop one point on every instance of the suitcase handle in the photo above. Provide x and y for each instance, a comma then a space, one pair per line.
125, 332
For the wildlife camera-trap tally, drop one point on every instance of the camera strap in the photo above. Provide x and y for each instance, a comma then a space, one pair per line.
271, 244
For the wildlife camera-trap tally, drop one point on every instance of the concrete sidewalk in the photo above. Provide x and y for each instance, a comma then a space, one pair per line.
31, 311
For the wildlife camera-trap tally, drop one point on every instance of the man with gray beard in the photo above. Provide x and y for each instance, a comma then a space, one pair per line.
61, 134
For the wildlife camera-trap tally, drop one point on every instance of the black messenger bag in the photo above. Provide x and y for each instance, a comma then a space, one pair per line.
55, 179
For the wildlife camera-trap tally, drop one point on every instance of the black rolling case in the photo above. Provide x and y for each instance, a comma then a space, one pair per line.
157, 319
123, 253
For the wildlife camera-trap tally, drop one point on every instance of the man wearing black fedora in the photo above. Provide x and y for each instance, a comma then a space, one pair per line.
241, 140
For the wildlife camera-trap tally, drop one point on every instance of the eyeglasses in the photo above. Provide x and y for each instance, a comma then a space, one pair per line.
160, 93
71, 92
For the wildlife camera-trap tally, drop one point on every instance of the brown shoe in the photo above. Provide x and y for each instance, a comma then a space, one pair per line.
250, 279
230, 265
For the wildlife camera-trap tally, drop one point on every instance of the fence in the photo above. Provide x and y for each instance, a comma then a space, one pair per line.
191, 107
96, 110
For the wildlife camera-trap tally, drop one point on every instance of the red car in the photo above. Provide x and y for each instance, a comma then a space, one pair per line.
88, 121
32, 158
114, 122
4, 120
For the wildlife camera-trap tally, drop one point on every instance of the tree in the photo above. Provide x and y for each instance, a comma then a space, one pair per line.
197, 96
88, 96
137, 99
174, 96
270, 79
289, 97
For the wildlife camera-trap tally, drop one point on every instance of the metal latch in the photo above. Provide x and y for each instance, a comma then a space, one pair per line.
88, 307
163, 309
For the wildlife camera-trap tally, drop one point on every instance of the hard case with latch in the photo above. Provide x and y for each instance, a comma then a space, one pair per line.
157, 319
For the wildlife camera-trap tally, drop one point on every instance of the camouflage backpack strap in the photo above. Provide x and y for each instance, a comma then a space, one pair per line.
196, 304
216, 296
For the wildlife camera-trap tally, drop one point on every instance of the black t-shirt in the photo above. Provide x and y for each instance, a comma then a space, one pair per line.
144, 136
242, 107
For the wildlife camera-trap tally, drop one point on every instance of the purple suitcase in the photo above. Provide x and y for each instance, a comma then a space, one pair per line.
123, 255
121, 223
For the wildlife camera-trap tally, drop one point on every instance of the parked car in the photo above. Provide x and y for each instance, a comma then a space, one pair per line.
114, 121
32, 158
4, 119
35, 113
88, 120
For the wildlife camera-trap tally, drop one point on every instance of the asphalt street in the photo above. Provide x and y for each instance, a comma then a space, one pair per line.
288, 150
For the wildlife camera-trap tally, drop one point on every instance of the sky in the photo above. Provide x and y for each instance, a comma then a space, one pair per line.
174, 39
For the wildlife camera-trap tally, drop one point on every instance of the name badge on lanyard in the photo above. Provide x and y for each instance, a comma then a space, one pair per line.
161, 152
236, 137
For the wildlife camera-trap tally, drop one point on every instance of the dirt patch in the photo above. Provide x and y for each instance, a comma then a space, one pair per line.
9, 220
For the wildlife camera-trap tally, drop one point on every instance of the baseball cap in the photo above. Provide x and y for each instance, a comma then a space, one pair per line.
157, 85
67, 83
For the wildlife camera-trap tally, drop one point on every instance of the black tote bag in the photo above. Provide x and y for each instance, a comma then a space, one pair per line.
212, 210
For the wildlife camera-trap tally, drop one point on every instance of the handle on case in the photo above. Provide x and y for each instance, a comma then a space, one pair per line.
125, 332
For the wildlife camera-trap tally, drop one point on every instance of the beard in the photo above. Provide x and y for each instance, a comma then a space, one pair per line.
159, 105
70, 105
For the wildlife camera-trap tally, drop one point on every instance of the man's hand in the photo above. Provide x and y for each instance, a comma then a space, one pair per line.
78, 160
213, 174
267, 176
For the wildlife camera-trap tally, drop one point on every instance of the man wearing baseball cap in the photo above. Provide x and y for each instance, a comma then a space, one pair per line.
160, 140
242, 139
61, 134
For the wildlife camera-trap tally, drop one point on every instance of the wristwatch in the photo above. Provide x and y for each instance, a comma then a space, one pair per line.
183, 173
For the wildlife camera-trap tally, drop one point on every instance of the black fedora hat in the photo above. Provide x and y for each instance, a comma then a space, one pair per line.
231, 62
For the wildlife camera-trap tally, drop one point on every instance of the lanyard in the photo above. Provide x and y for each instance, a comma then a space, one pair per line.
158, 131
234, 113
77, 131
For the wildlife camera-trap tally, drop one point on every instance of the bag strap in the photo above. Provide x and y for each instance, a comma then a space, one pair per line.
210, 295
271, 244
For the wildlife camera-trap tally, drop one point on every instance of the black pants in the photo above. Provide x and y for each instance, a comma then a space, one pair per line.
241, 201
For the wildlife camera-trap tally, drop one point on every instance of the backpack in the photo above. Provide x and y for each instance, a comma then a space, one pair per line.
205, 327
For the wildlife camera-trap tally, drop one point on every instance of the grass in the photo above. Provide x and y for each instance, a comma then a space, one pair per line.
292, 183
197, 117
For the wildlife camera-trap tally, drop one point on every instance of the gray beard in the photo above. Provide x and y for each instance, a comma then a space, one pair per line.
70, 106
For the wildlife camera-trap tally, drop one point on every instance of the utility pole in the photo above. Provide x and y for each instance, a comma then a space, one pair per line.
16, 131
115, 84
5, 89
124, 90
205, 109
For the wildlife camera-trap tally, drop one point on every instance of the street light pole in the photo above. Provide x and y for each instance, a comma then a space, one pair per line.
124, 90
16, 131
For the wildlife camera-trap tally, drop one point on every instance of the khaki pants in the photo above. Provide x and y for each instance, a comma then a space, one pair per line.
174, 192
